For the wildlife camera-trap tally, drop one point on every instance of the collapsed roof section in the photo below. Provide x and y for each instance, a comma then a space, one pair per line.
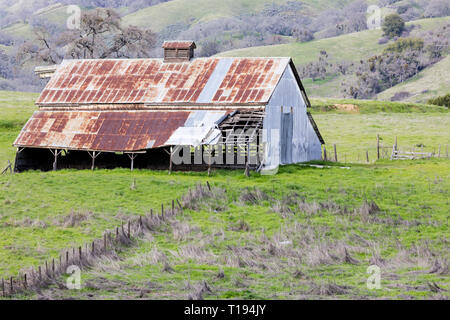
120, 131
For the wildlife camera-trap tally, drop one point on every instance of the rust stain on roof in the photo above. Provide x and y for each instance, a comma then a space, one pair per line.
151, 81
100, 130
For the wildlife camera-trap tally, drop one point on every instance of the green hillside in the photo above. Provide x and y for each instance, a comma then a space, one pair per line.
56, 15
350, 47
429, 83
162, 15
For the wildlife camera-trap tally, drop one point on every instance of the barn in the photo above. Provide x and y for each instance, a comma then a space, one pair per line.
176, 113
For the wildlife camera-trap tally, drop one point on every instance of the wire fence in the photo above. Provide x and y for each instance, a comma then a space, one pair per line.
382, 150
32, 279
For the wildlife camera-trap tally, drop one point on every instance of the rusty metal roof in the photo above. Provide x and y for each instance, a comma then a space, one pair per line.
210, 81
123, 131
180, 44
100, 130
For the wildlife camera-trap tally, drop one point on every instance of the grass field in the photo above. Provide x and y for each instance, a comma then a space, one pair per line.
304, 233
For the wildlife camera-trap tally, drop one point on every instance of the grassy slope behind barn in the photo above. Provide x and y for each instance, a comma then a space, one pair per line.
42, 213
169, 13
349, 47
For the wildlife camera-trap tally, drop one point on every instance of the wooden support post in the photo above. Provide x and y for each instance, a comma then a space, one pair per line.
80, 254
40, 273
104, 242
46, 269
367, 156
208, 185
378, 147
132, 156
162, 210
247, 160
93, 156
173, 207
55, 161
209, 160
396, 145
93, 161
151, 213
67, 259
335, 153
93, 248
129, 230
324, 153
53, 267
11, 285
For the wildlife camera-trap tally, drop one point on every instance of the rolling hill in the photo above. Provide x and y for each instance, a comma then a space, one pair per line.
431, 82
349, 47
165, 14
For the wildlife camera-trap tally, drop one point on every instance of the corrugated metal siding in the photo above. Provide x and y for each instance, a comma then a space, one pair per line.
305, 144
100, 130
151, 81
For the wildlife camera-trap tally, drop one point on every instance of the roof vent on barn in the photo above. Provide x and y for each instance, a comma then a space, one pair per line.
178, 51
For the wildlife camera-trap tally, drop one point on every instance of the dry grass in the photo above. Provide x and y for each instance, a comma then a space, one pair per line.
74, 219
205, 198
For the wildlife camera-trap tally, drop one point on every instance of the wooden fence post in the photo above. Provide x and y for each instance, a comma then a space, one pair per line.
11, 285
335, 153
367, 156
162, 210
396, 145
378, 147
80, 254
104, 242
25, 284
173, 207
129, 230
40, 273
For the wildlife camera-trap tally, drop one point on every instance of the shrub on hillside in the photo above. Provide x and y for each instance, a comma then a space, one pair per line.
441, 101
404, 44
393, 26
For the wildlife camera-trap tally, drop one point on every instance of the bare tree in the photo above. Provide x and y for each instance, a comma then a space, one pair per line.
100, 36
